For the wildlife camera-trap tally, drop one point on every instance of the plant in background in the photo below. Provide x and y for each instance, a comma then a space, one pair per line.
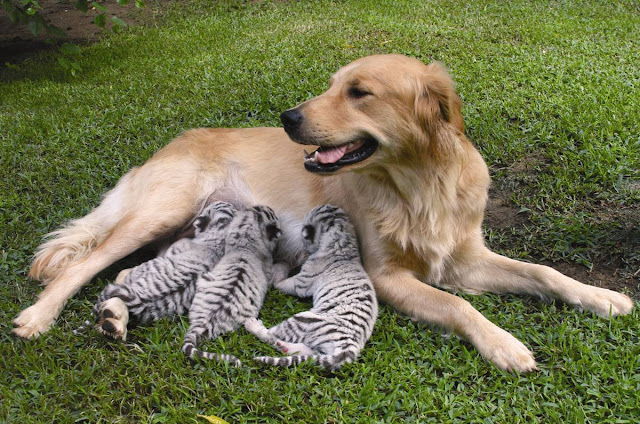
29, 13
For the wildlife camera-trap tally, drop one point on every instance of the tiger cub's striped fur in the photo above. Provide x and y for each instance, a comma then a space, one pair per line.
234, 290
344, 308
165, 286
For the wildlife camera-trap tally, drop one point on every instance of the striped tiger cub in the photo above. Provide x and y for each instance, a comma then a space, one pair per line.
235, 289
165, 286
344, 308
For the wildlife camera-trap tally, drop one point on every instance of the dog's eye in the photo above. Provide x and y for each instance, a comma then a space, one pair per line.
358, 93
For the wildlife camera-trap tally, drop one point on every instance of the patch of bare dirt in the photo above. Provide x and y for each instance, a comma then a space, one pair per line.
615, 266
502, 213
602, 275
18, 43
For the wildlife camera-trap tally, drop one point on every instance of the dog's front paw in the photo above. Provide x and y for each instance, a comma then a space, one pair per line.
606, 303
505, 351
32, 322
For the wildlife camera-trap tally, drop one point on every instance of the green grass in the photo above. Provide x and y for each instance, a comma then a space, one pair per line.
550, 91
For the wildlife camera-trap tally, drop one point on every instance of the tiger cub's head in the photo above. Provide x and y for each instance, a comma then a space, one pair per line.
328, 227
257, 228
211, 225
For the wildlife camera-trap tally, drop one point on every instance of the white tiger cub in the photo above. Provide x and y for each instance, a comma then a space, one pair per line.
344, 308
165, 286
235, 289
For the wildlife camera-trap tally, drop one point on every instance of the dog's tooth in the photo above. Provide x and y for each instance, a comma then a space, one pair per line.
310, 157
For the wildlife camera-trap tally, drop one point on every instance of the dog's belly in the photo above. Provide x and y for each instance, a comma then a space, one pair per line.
262, 166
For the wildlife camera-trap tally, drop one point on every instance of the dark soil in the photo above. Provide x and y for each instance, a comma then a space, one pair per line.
616, 266
18, 43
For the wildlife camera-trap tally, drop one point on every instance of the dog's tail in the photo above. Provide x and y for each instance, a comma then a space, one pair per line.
331, 362
80, 236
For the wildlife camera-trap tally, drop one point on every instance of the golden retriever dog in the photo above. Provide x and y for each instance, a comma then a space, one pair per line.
391, 151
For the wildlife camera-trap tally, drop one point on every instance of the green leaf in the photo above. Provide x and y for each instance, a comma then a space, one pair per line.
14, 15
54, 30
70, 49
36, 24
25, 2
123, 2
13, 11
117, 21
81, 5
100, 20
31, 11
140, 4
64, 62
22, 17
98, 6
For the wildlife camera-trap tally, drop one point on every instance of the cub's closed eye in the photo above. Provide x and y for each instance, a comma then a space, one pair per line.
358, 93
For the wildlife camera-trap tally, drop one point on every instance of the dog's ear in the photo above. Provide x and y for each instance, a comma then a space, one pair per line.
437, 99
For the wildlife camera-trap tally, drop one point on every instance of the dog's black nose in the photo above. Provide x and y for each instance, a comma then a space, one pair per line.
291, 119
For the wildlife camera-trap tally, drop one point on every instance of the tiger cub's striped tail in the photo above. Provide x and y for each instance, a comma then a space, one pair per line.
331, 362
192, 352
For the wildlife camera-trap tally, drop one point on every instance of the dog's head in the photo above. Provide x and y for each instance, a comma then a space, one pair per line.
377, 109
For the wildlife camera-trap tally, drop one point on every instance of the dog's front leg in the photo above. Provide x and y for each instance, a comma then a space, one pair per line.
401, 290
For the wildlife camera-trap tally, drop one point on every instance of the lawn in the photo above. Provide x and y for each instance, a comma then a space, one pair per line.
551, 100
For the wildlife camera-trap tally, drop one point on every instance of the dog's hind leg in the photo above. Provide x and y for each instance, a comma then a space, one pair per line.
148, 204
76, 239
488, 271
132, 233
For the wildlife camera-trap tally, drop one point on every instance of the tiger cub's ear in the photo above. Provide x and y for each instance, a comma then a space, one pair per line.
201, 222
273, 232
308, 232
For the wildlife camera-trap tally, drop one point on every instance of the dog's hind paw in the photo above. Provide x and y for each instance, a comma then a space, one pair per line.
113, 317
113, 328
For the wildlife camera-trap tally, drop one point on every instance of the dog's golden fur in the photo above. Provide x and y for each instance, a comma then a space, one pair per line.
417, 203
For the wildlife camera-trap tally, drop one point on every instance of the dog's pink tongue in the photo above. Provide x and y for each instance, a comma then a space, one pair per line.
331, 155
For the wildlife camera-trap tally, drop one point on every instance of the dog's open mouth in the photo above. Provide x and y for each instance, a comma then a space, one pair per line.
330, 159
